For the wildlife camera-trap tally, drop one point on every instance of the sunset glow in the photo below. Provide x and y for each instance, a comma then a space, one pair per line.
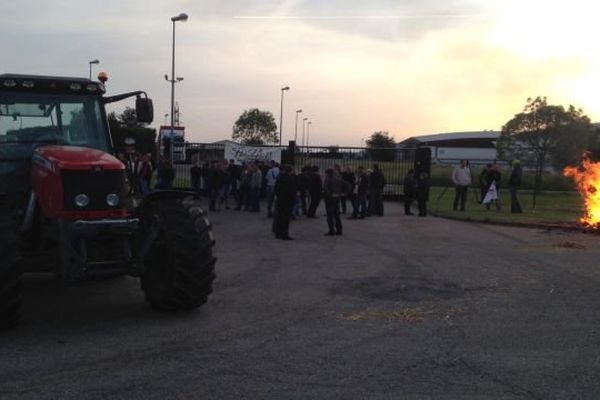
408, 67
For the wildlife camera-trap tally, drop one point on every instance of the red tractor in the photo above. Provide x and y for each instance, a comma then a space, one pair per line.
64, 206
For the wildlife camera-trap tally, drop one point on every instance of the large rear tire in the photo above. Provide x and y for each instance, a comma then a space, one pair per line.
179, 268
11, 287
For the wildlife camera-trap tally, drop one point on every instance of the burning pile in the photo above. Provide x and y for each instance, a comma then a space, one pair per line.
587, 177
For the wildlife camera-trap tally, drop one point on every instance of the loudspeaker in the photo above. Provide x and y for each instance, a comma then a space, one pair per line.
423, 160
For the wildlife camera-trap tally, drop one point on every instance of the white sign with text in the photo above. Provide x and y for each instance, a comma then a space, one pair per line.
241, 153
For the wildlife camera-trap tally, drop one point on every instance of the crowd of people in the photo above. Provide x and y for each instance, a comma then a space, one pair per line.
289, 195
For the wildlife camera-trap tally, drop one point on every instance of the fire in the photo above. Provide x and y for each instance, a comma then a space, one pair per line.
587, 177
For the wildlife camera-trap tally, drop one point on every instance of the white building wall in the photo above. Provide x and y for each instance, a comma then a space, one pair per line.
477, 155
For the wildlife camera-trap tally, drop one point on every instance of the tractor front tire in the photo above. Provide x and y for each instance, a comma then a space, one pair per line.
11, 287
179, 267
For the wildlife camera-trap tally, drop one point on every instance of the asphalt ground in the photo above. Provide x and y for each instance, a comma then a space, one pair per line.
398, 308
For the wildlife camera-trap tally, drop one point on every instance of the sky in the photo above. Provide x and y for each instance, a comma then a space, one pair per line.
408, 67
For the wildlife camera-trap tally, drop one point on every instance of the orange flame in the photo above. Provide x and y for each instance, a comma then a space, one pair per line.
587, 177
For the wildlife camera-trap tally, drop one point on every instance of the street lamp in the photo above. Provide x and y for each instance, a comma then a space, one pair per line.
181, 17
166, 115
308, 132
283, 89
303, 128
93, 62
296, 129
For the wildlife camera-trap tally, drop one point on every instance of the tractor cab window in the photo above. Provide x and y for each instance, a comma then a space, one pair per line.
28, 120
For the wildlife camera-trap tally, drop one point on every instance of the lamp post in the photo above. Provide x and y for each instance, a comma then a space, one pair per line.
308, 132
93, 62
296, 129
283, 89
303, 128
166, 115
181, 17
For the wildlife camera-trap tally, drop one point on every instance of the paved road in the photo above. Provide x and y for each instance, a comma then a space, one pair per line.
398, 308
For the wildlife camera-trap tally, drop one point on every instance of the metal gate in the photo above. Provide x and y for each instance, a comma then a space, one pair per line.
393, 162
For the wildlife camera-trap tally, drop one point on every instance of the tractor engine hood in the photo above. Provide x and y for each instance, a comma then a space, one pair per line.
56, 158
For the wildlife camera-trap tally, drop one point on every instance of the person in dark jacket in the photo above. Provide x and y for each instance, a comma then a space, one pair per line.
409, 191
285, 195
243, 192
235, 171
483, 181
302, 180
196, 175
362, 188
350, 180
333, 190
423, 193
215, 181
377, 183
513, 183
315, 189
165, 174
494, 176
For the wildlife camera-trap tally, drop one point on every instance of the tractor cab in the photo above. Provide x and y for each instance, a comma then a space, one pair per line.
39, 111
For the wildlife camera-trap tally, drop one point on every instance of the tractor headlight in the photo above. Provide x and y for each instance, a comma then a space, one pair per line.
112, 199
82, 200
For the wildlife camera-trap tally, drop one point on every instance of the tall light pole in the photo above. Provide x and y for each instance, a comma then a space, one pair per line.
296, 129
181, 17
283, 89
308, 132
93, 62
303, 128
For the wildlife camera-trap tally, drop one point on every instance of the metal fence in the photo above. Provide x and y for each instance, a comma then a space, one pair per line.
393, 162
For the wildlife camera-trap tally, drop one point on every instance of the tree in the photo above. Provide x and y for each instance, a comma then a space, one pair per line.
545, 132
381, 146
255, 127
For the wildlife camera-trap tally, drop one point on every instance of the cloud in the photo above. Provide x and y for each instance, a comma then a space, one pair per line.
407, 67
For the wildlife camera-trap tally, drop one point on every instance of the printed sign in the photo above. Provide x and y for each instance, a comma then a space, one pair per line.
241, 153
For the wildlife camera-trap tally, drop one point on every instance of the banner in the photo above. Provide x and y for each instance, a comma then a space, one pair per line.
492, 194
241, 153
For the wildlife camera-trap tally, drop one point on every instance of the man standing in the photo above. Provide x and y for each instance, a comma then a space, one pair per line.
285, 193
514, 182
255, 186
362, 187
315, 188
377, 183
196, 175
350, 180
493, 177
333, 189
271, 178
461, 177
422, 193
145, 174
302, 180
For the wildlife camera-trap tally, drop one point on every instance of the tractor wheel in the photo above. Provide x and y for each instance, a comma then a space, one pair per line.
179, 265
11, 291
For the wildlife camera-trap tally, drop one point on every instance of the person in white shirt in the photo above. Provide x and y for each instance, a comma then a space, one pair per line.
271, 178
461, 177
